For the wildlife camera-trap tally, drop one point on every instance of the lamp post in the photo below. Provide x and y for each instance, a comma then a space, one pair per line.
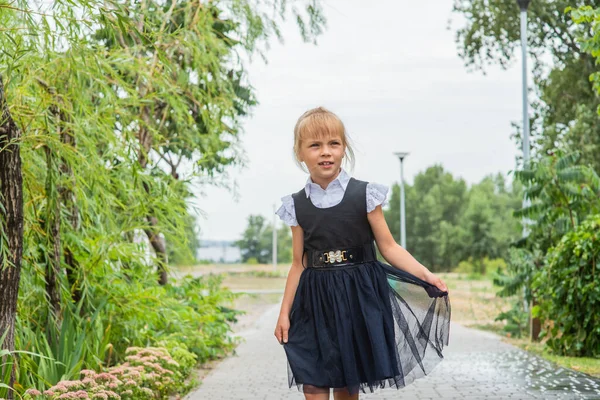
401, 156
535, 326
523, 5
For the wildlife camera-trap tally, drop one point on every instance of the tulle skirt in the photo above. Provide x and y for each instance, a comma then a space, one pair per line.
364, 327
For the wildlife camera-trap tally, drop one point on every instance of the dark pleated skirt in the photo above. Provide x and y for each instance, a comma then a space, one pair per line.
364, 327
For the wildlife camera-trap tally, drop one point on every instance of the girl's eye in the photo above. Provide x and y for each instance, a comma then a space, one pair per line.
314, 144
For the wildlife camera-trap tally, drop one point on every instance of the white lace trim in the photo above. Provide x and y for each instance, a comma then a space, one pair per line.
376, 195
287, 212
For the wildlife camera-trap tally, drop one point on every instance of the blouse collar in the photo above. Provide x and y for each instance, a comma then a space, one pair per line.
341, 180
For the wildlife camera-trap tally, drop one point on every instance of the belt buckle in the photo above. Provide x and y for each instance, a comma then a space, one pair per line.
334, 256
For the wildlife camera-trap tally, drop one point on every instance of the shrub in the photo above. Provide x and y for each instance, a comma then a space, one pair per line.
568, 292
148, 373
476, 269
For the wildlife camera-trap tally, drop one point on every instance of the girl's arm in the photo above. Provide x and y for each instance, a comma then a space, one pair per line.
396, 255
283, 323
295, 270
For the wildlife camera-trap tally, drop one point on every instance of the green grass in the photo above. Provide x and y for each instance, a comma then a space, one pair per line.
588, 365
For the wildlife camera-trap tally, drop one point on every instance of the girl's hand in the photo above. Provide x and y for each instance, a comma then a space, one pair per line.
436, 281
282, 328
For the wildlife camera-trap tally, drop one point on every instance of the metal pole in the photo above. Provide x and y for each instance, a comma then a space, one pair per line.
401, 156
523, 5
274, 240
402, 206
525, 104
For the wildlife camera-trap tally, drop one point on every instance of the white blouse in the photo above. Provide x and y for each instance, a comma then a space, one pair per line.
331, 196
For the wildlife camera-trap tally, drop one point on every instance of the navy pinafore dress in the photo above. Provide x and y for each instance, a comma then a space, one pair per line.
357, 324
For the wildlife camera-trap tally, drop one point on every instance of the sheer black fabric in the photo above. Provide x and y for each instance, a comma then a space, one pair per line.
364, 327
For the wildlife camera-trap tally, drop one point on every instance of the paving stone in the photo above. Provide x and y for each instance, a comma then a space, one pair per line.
477, 365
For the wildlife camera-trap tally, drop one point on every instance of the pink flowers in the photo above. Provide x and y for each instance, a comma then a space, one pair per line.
147, 373
80, 394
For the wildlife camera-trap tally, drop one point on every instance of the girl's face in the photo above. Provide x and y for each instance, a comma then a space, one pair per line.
323, 157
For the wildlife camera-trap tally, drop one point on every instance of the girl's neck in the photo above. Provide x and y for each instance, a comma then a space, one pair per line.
324, 182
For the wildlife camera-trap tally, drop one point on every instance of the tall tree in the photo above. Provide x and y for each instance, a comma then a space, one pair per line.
11, 229
171, 90
257, 241
436, 199
446, 222
253, 245
564, 109
177, 80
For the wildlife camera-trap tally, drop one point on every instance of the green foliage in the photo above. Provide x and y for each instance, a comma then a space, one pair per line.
517, 321
256, 244
515, 281
475, 270
433, 206
447, 223
185, 359
187, 318
190, 312
59, 353
150, 372
587, 17
112, 98
562, 194
517, 275
564, 102
568, 289
187, 255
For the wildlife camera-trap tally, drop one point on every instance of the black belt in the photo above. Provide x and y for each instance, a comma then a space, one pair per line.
340, 257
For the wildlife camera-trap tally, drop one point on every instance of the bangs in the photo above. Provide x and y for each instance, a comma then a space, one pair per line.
321, 125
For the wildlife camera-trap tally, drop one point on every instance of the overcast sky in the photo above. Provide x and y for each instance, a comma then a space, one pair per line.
392, 73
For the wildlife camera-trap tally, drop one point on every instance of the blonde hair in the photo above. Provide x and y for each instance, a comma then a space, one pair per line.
318, 123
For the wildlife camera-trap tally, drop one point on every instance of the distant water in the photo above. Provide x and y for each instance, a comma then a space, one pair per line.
220, 254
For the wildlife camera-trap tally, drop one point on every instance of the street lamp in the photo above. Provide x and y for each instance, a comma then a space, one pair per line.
401, 156
523, 5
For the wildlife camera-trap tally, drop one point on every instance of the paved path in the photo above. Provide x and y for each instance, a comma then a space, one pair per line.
477, 365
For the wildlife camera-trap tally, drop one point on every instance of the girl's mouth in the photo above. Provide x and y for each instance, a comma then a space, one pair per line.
326, 164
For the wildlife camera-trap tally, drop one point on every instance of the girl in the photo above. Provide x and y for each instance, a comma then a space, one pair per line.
342, 325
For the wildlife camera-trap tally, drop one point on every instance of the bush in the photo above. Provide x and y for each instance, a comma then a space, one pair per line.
190, 312
568, 292
148, 373
188, 318
517, 320
476, 269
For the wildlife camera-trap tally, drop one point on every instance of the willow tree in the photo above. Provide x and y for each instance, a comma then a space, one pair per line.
191, 84
102, 102
11, 226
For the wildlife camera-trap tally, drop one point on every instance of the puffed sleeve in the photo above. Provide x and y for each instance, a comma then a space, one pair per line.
287, 212
376, 195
